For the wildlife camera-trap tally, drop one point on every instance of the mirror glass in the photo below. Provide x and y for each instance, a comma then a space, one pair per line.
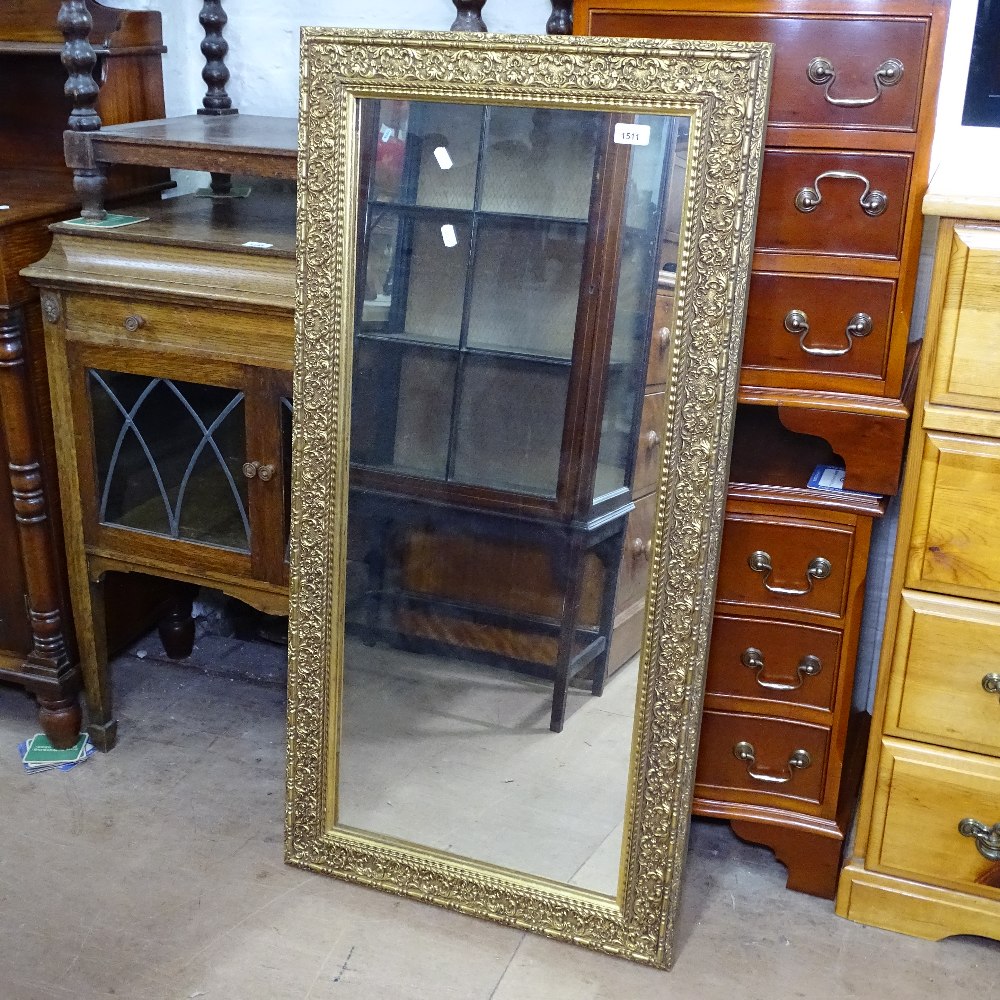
513, 313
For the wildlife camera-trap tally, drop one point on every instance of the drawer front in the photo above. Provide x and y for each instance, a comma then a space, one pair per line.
257, 338
633, 576
649, 449
783, 663
805, 208
820, 329
772, 757
967, 364
809, 563
659, 348
923, 796
935, 694
955, 542
854, 48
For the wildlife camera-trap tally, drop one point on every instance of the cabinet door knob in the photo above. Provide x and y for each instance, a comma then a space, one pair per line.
265, 473
987, 838
797, 323
872, 201
991, 683
652, 440
134, 322
821, 72
818, 569
809, 666
250, 469
798, 761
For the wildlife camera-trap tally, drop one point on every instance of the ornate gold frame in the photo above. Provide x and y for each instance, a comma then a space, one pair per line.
723, 87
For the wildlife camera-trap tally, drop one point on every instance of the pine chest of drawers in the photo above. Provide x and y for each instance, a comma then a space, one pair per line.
927, 856
826, 354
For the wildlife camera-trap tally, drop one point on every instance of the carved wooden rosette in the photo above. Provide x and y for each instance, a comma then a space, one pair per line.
469, 15
723, 87
560, 21
214, 48
58, 682
79, 59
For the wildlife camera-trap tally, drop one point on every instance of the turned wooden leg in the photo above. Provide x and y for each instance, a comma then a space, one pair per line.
177, 628
61, 720
54, 681
812, 859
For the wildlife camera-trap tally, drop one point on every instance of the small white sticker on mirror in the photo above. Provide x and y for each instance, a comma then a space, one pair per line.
631, 135
257, 245
4, 208
443, 157
448, 235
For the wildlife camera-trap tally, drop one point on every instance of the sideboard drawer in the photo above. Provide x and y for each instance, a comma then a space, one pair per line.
826, 202
955, 542
784, 663
854, 48
820, 328
250, 338
809, 563
756, 754
945, 680
663, 328
649, 448
633, 575
928, 795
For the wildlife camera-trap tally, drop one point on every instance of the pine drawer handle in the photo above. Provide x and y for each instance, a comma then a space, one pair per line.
872, 201
818, 569
821, 72
797, 323
991, 683
798, 761
809, 666
987, 838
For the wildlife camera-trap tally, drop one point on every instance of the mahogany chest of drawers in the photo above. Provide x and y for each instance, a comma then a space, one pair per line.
827, 355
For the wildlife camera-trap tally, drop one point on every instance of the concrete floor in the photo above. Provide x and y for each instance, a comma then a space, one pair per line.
155, 873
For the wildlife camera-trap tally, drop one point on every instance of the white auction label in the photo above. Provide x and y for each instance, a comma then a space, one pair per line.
449, 236
256, 245
631, 135
443, 158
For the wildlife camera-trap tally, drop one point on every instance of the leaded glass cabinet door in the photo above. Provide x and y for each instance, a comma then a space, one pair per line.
490, 360
186, 463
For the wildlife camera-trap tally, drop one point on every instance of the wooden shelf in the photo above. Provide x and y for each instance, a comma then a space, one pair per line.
234, 144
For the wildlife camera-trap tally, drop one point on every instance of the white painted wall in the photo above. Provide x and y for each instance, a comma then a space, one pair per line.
263, 39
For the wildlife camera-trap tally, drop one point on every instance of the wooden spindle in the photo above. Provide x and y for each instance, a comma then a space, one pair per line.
560, 21
79, 59
215, 48
469, 16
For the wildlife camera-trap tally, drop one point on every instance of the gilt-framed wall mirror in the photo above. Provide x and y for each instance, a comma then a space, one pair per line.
523, 269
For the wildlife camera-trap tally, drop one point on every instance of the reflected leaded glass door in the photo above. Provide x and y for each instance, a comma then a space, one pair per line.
476, 237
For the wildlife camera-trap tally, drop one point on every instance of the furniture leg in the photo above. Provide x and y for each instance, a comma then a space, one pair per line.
611, 556
811, 857
55, 682
567, 634
91, 634
177, 627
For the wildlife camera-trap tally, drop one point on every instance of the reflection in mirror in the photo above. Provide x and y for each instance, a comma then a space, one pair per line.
513, 310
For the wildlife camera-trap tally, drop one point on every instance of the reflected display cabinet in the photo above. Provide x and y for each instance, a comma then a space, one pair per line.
507, 282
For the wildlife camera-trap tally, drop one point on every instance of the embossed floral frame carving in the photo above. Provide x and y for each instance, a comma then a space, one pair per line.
723, 88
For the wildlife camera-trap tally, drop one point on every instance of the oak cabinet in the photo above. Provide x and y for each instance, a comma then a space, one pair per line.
927, 855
